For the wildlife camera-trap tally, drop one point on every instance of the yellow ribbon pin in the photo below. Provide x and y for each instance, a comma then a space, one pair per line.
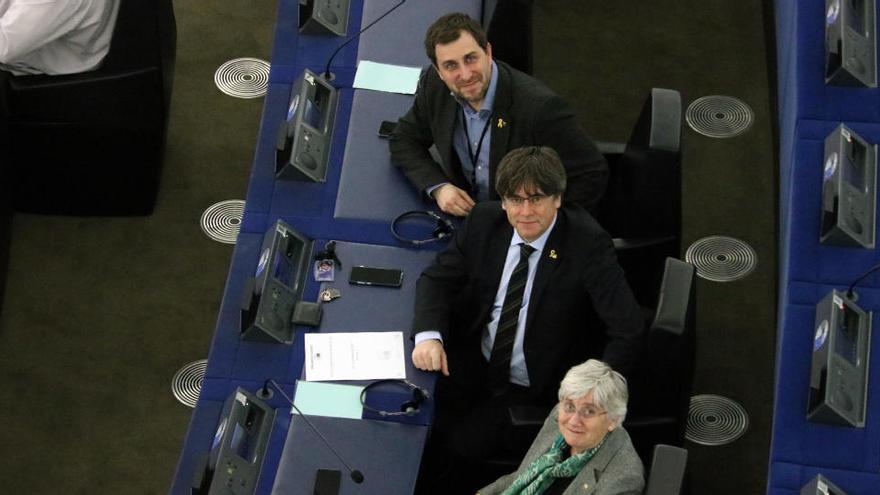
552, 254
501, 123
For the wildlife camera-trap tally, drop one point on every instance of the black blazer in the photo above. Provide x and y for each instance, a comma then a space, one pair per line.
577, 279
525, 113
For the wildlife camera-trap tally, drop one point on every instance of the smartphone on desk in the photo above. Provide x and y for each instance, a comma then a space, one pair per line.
383, 277
386, 128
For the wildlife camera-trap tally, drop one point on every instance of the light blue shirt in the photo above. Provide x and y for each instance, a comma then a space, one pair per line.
518, 372
476, 122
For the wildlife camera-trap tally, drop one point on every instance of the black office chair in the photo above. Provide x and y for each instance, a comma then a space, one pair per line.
641, 208
5, 213
92, 143
660, 387
508, 25
666, 474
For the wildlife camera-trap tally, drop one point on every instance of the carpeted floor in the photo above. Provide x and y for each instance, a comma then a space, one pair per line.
101, 312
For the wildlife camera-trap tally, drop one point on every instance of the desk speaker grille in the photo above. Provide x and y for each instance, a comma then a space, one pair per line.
222, 221
243, 77
187, 382
721, 259
715, 420
719, 116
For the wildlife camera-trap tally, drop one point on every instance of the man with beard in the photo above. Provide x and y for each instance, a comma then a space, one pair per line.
475, 109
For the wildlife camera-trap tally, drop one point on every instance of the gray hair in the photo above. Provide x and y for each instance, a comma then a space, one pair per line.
608, 386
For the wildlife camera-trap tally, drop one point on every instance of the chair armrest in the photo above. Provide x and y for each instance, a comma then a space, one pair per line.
628, 243
608, 148
668, 467
528, 415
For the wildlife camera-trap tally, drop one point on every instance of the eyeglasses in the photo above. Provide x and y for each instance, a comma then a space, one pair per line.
587, 412
534, 200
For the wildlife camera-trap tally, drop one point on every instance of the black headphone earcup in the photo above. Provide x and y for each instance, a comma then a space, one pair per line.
419, 395
410, 408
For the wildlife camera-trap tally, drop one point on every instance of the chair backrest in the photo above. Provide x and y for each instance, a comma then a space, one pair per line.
660, 388
508, 25
641, 208
666, 475
643, 198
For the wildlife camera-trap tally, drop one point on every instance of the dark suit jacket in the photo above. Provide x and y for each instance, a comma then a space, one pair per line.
615, 470
577, 278
525, 112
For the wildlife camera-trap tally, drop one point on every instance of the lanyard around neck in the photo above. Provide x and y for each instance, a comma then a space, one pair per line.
474, 155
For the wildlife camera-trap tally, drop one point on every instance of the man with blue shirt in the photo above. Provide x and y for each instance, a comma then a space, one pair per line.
511, 305
475, 109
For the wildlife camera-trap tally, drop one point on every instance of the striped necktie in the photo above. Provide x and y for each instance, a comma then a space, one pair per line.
499, 360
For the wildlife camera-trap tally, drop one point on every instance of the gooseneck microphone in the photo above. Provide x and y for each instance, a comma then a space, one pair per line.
327, 74
356, 475
850, 293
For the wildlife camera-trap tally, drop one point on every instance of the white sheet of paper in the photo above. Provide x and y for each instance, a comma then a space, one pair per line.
354, 356
387, 77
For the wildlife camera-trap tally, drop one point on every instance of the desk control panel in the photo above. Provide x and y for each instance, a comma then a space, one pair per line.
324, 16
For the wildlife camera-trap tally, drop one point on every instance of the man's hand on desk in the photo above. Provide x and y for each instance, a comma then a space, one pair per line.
429, 355
453, 200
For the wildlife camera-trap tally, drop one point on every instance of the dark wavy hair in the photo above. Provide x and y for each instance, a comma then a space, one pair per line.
532, 168
448, 29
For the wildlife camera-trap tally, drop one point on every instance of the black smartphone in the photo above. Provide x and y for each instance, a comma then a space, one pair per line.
386, 128
327, 482
386, 277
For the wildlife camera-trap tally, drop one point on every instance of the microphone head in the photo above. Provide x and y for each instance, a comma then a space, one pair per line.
357, 476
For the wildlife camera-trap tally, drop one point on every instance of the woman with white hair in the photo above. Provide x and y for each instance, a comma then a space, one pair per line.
582, 447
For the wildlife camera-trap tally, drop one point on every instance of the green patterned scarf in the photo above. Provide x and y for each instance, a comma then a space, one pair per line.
544, 470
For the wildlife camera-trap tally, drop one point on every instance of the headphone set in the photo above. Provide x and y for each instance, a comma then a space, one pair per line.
408, 408
443, 227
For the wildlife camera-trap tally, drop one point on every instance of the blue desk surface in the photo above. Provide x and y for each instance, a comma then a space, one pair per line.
787, 479
360, 308
234, 362
388, 453
372, 447
370, 187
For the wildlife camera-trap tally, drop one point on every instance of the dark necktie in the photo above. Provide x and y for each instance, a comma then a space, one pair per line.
499, 360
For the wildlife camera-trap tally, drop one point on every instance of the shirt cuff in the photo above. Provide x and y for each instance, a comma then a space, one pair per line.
430, 190
428, 335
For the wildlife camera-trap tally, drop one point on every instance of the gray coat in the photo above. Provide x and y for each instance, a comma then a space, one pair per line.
616, 468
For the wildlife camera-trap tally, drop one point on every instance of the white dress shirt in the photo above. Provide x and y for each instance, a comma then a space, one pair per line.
55, 36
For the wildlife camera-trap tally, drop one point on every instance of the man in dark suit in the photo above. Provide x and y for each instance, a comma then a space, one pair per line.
475, 109
510, 306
